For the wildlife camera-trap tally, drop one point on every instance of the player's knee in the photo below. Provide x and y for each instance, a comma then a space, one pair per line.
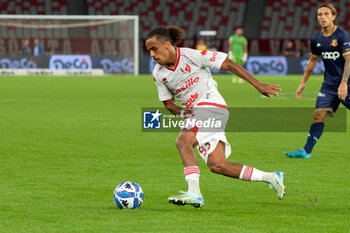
178, 143
181, 143
217, 167
185, 140
319, 116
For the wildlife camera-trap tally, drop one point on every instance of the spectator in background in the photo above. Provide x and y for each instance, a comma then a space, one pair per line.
38, 49
302, 50
25, 49
201, 45
289, 50
238, 50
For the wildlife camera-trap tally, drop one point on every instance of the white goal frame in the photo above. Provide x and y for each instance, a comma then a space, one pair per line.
135, 18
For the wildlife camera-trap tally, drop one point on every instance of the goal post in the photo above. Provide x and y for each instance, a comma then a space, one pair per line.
111, 43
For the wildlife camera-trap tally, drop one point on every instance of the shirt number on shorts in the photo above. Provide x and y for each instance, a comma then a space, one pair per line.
203, 149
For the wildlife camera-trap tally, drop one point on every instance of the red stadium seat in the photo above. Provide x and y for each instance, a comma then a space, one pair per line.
282, 18
33, 7
297, 18
220, 15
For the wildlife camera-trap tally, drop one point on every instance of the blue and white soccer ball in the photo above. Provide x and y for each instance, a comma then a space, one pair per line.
128, 195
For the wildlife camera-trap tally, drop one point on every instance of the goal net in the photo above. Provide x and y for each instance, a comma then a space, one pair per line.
52, 42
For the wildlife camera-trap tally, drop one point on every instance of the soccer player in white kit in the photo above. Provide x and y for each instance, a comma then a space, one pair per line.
183, 74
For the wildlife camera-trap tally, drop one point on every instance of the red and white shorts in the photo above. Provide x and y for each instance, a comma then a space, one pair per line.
211, 130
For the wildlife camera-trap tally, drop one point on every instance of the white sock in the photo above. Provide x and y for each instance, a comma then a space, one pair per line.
192, 177
253, 174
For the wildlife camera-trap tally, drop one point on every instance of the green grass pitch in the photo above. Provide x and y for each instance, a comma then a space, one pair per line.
67, 142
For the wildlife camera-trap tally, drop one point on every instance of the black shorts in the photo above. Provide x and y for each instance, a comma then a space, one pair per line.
328, 100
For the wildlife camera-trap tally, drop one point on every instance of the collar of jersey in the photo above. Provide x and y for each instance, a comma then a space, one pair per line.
177, 61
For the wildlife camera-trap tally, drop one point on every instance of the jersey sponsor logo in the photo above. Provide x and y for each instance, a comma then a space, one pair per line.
334, 43
190, 82
165, 80
192, 99
318, 45
331, 55
187, 69
347, 43
214, 56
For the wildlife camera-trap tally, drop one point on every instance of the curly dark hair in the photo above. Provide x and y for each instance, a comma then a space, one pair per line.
174, 34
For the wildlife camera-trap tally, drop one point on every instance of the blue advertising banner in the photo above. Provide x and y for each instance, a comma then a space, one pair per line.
114, 65
21, 62
110, 64
298, 65
70, 62
267, 65
257, 65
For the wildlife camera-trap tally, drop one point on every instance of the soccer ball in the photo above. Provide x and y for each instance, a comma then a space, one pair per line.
128, 195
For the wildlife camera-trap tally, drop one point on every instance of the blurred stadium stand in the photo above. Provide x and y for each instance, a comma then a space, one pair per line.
268, 24
192, 15
34, 7
292, 19
297, 18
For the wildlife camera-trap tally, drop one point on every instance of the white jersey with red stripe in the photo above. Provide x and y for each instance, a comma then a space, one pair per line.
190, 80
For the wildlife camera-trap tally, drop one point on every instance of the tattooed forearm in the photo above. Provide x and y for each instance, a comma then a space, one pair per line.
346, 68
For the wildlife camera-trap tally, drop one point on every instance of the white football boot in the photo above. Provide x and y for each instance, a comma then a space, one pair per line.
276, 183
187, 198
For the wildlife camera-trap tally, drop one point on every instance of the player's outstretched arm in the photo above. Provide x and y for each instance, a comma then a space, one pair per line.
308, 71
343, 88
264, 89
